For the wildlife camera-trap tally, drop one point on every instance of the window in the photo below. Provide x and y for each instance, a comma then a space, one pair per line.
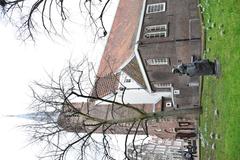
184, 124
127, 80
156, 34
155, 8
158, 61
168, 104
162, 27
156, 31
176, 92
158, 130
193, 84
162, 85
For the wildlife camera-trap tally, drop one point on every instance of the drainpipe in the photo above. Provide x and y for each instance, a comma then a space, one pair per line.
154, 107
172, 92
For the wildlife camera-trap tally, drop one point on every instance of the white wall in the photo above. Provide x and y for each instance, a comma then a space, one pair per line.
135, 94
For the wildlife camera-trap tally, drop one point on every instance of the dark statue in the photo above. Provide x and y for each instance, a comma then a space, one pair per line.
196, 68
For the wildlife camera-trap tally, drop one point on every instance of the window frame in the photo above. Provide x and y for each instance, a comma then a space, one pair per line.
158, 61
156, 28
150, 10
127, 80
159, 34
162, 85
156, 31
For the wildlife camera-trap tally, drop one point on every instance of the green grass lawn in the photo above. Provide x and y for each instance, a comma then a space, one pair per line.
222, 95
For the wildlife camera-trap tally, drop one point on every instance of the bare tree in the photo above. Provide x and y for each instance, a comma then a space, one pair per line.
28, 16
68, 125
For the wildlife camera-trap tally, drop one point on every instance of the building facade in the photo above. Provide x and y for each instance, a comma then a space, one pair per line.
165, 128
163, 149
169, 34
148, 38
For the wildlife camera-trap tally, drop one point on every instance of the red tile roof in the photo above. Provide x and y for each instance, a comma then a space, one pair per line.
121, 41
105, 85
133, 70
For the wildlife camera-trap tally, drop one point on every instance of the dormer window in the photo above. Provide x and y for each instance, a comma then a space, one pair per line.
156, 7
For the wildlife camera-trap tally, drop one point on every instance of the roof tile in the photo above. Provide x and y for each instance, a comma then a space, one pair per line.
120, 44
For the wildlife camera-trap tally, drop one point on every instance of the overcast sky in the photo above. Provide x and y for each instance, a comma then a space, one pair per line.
22, 63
